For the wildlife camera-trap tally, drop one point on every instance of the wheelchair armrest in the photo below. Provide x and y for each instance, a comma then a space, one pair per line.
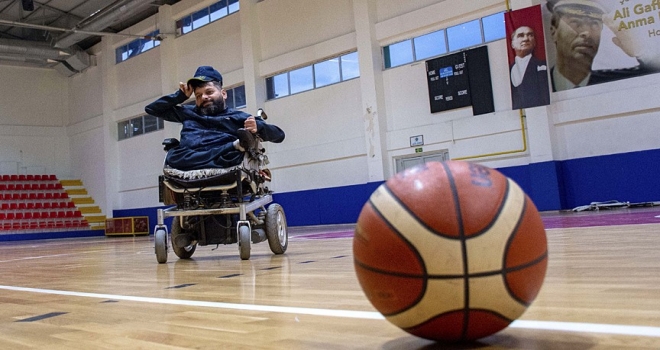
170, 143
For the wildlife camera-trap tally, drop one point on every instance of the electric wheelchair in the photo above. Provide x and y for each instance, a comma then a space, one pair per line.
219, 206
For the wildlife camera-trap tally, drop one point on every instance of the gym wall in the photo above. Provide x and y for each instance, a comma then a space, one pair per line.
591, 144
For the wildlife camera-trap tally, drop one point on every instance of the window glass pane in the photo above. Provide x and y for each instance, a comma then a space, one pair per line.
218, 10
137, 127
327, 72
184, 25
429, 45
233, 6
464, 35
230, 98
119, 54
494, 27
277, 86
146, 45
350, 67
239, 96
150, 123
200, 18
123, 130
134, 48
301, 79
398, 54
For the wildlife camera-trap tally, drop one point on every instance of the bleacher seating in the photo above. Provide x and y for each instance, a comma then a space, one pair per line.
37, 202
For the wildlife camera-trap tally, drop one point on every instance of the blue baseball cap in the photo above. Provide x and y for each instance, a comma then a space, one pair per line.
206, 74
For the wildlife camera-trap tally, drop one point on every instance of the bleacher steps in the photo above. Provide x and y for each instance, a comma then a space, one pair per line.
84, 203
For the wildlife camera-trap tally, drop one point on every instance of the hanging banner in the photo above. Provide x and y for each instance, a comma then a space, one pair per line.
597, 41
527, 60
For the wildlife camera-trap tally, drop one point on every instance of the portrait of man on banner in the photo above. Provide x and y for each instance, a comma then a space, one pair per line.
598, 41
527, 61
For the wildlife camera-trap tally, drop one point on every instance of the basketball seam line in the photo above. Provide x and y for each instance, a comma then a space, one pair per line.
503, 271
461, 235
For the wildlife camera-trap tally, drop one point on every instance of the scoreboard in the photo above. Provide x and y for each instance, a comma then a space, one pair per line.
460, 80
449, 85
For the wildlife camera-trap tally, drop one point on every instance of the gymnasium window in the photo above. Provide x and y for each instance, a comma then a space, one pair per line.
148, 123
138, 126
137, 47
236, 97
316, 75
205, 16
443, 41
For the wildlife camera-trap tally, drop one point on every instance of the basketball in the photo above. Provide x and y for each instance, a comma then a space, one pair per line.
450, 251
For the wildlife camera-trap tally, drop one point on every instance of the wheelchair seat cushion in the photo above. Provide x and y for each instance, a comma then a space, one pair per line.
202, 177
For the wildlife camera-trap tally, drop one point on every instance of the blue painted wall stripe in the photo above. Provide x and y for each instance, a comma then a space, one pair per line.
552, 185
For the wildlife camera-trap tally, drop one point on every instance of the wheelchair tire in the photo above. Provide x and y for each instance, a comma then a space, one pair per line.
160, 238
181, 252
276, 229
244, 242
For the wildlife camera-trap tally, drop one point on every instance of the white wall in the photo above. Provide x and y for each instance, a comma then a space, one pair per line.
289, 25
33, 112
326, 142
33, 97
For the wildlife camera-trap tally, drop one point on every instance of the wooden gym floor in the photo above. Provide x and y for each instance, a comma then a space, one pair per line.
602, 291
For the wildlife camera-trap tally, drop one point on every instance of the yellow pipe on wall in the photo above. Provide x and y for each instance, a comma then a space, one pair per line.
522, 127
524, 140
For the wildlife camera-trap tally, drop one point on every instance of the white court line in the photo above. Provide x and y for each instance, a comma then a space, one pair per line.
645, 331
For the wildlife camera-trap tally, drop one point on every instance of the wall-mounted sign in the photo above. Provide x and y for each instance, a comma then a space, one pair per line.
416, 140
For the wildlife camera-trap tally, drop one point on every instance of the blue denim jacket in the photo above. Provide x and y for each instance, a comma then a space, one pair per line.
206, 140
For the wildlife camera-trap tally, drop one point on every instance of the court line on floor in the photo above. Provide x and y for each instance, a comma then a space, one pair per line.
646, 331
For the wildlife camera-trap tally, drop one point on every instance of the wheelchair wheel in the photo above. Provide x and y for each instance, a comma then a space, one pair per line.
244, 242
181, 252
160, 238
276, 229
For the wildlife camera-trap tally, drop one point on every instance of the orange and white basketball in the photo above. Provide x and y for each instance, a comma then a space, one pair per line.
450, 251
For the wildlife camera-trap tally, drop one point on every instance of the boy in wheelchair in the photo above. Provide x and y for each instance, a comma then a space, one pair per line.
217, 163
